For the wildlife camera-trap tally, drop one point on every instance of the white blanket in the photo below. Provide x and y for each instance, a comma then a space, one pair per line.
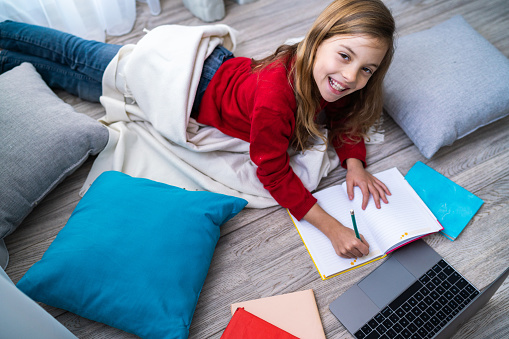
148, 93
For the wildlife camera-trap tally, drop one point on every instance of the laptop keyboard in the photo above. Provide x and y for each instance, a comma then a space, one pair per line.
424, 308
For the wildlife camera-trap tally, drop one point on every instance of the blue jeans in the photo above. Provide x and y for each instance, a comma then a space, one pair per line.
74, 64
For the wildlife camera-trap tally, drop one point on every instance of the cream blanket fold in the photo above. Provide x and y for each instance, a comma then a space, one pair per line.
148, 93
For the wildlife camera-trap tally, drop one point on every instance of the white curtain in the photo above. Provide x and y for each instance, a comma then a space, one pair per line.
89, 19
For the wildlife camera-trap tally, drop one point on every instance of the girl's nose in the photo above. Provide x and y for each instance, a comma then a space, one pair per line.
350, 75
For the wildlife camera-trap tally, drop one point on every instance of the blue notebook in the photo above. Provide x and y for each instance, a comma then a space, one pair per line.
451, 204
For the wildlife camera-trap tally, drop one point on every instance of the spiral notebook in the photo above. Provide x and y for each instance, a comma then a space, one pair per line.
404, 219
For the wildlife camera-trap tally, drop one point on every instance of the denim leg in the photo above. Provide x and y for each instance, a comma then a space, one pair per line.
210, 66
84, 56
55, 75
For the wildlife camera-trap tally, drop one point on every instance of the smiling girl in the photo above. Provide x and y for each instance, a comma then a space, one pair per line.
274, 104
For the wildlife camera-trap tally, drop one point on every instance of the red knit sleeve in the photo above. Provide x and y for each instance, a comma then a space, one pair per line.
350, 150
270, 138
272, 128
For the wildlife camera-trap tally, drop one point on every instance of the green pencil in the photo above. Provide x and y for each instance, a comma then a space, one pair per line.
355, 225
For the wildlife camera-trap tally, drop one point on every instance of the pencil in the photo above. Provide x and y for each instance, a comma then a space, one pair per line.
355, 225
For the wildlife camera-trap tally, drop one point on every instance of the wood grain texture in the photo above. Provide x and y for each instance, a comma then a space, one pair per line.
260, 253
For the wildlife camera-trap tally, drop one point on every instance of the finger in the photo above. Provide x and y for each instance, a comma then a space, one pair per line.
382, 194
346, 255
365, 195
349, 189
354, 250
386, 190
365, 248
376, 195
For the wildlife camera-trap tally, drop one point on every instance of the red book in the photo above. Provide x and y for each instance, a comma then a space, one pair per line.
246, 325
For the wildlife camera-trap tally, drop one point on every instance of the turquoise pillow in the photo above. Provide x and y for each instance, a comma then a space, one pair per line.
133, 255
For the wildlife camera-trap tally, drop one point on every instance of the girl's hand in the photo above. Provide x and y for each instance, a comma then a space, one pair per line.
343, 239
357, 176
346, 244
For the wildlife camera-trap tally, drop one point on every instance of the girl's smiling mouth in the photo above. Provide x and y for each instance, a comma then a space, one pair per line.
337, 86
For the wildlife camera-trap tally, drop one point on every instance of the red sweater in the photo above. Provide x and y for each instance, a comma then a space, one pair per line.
260, 109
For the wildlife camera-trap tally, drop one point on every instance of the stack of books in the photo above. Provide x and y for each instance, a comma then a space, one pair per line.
286, 316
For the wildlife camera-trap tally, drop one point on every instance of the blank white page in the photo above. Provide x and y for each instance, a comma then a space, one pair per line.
403, 218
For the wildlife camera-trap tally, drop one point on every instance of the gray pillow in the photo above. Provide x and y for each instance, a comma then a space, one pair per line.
444, 83
43, 141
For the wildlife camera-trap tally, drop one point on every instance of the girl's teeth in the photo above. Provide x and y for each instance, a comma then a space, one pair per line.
336, 85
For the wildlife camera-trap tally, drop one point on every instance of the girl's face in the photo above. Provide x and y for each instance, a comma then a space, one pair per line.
344, 64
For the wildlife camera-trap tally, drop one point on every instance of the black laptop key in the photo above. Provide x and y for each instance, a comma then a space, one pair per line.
405, 295
412, 328
459, 299
406, 333
400, 312
410, 317
418, 322
406, 306
366, 328
470, 288
372, 323
453, 277
391, 333
424, 279
465, 294
387, 312
416, 311
359, 334
431, 311
441, 315
373, 335
397, 327
387, 323
403, 322
448, 270
379, 317
422, 332
442, 275
461, 283
436, 268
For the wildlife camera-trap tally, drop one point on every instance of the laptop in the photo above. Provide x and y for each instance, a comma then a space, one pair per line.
413, 294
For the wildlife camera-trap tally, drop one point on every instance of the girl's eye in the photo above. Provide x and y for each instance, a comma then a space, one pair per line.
367, 71
344, 56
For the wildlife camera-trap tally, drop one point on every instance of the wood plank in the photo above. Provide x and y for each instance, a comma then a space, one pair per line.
260, 253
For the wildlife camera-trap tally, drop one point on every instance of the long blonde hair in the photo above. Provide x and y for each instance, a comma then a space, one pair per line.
342, 17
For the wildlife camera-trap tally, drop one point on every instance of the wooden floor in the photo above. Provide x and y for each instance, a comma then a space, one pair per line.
260, 253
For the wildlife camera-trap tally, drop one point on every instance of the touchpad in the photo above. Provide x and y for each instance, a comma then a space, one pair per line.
386, 282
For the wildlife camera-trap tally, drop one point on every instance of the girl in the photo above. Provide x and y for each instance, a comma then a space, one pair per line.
273, 103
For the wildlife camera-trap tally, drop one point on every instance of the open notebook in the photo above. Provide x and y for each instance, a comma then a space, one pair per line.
404, 219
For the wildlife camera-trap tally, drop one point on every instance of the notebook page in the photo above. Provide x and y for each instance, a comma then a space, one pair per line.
403, 218
335, 202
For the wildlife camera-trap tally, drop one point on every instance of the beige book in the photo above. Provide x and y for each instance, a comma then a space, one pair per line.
296, 313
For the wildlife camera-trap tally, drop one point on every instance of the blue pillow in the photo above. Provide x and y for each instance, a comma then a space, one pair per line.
133, 255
